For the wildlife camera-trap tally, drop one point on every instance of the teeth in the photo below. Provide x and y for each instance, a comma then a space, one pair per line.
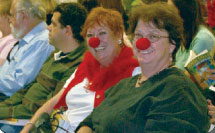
100, 48
146, 51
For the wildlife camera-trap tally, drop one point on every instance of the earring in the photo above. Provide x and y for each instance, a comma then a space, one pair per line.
119, 41
170, 59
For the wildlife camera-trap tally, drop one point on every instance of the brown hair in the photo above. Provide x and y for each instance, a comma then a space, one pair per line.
5, 7
163, 16
112, 4
50, 5
109, 17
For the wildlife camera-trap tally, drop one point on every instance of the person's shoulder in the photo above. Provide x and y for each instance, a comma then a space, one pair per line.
43, 35
204, 32
177, 77
39, 33
178, 80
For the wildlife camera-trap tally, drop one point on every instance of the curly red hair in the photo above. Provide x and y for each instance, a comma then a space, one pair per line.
99, 15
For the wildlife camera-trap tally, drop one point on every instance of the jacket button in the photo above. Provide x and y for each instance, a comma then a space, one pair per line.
98, 96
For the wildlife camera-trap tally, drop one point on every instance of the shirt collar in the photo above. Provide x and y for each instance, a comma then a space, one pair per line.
37, 29
58, 56
10, 36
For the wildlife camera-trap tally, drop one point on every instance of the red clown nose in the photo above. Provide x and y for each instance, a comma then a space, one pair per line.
143, 43
94, 42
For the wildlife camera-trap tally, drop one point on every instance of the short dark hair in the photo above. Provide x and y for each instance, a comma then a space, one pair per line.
34, 7
163, 16
89, 4
74, 15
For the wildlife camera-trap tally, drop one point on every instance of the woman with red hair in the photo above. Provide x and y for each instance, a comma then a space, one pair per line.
107, 62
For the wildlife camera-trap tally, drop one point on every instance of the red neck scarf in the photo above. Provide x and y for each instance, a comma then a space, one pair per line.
102, 78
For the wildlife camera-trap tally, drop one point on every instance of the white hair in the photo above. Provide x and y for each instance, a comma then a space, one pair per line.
34, 7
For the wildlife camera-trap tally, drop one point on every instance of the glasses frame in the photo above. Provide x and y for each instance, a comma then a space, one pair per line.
151, 37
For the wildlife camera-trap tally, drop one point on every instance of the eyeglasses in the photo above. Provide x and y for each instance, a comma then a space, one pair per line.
152, 37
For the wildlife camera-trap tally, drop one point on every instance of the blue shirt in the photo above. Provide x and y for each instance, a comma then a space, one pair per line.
26, 60
204, 40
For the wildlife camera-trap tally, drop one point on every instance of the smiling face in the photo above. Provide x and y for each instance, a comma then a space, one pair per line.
108, 48
159, 52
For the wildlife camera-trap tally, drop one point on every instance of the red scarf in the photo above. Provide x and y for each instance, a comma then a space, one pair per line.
102, 78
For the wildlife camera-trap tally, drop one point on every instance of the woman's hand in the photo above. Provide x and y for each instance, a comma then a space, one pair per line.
47, 107
211, 111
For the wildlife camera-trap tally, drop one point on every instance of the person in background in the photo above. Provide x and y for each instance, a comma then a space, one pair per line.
129, 4
27, 21
6, 40
64, 34
89, 4
50, 5
160, 99
197, 36
107, 62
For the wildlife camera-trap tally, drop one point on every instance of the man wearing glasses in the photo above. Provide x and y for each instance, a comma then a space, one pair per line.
64, 34
27, 22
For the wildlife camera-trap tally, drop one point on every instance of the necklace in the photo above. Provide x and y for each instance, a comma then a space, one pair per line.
140, 82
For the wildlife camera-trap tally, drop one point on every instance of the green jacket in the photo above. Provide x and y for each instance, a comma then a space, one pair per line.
24, 103
167, 102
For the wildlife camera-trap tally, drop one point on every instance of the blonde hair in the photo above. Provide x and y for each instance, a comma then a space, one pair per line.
5, 7
49, 5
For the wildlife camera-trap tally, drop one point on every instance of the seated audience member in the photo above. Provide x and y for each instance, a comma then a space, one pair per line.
6, 40
26, 58
196, 34
64, 34
162, 98
108, 61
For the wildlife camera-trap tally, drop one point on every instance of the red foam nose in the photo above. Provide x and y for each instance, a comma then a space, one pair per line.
142, 43
94, 42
